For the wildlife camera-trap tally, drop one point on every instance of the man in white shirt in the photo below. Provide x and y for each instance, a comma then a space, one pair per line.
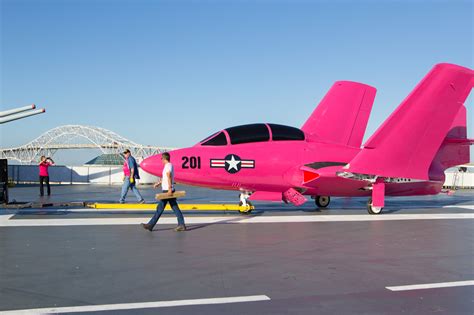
167, 185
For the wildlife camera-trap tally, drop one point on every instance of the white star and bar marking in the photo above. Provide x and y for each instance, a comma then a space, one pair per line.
232, 163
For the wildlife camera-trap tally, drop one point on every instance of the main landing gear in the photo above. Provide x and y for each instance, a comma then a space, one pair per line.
372, 209
376, 203
322, 201
245, 204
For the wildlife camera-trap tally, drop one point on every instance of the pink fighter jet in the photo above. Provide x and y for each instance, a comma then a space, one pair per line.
406, 156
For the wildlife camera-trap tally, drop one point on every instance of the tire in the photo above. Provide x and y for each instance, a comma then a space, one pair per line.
373, 210
247, 210
322, 201
248, 202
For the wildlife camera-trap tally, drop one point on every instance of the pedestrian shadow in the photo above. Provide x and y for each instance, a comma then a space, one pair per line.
231, 220
189, 228
162, 229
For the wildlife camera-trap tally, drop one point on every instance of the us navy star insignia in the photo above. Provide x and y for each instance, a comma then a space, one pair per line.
232, 163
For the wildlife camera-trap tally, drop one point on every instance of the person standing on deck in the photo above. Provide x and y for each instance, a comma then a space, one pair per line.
44, 164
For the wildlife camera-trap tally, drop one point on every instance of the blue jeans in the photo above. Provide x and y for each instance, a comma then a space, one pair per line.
161, 207
126, 186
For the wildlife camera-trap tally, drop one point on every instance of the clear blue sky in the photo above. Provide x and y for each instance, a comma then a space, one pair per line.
171, 72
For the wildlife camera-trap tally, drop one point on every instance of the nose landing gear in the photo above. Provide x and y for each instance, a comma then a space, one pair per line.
245, 205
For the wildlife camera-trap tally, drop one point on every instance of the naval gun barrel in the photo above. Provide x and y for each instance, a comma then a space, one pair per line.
17, 110
20, 115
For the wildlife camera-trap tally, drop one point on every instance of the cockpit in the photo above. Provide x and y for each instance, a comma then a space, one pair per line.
254, 133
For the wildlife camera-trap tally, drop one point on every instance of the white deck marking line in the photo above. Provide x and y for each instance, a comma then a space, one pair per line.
431, 285
143, 211
470, 207
132, 306
355, 217
4, 221
5, 217
105, 221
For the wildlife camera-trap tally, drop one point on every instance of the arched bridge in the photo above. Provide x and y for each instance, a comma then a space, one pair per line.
70, 136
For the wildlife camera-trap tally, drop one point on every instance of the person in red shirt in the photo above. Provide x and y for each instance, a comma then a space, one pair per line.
44, 164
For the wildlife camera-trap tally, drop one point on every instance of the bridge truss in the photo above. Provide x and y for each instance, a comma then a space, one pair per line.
70, 136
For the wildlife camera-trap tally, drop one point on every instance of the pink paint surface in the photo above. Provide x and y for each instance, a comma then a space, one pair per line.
378, 194
126, 169
425, 135
43, 169
406, 143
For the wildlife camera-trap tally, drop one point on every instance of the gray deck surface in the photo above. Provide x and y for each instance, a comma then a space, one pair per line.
304, 267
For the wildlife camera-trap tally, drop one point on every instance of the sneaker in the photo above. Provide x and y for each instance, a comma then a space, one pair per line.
121, 201
142, 201
180, 228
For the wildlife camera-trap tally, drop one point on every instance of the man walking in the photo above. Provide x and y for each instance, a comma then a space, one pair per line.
167, 185
130, 173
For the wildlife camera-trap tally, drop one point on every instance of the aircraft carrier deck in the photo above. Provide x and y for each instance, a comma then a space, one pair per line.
414, 258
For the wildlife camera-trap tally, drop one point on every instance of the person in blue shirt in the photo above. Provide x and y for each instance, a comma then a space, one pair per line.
130, 175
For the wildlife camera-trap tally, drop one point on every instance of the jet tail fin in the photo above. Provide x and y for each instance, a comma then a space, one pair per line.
341, 116
406, 144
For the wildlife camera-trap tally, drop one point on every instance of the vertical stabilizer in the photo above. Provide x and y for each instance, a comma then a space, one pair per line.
342, 115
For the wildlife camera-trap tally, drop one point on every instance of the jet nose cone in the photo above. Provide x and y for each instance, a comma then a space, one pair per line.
152, 165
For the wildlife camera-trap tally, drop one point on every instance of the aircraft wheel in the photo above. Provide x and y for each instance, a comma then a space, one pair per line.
248, 203
245, 211
322, 201
373, 210
247, 208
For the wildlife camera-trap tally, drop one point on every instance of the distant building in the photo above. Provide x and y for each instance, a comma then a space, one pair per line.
461, 176
106, 160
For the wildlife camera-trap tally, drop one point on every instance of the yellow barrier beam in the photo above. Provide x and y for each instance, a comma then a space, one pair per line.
182, 206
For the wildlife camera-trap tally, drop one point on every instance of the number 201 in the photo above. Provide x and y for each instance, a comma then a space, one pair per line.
191, 162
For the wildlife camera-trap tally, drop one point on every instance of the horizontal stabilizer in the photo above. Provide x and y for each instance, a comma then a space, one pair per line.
341, 116
455, 148
407, 142
459, 141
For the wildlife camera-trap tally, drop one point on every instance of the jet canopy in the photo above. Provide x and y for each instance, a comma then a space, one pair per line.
254, 133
